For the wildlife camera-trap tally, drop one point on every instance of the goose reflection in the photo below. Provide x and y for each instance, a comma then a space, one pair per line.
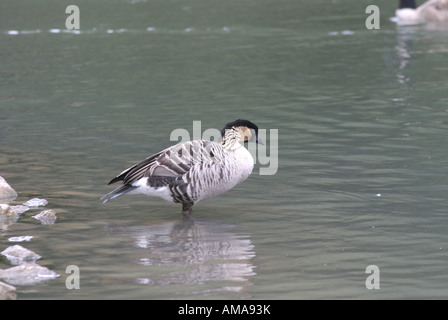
409, 40
429, 11
193, 252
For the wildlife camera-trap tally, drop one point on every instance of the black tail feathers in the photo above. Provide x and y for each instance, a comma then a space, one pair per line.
117, 192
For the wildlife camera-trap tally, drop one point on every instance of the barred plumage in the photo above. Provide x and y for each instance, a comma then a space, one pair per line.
192, 171
431, 10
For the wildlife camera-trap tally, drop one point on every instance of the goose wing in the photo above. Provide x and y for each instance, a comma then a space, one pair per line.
434, 10
170, 162
437, 4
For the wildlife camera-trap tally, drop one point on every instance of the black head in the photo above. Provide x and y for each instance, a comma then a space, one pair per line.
241, 123
407, 4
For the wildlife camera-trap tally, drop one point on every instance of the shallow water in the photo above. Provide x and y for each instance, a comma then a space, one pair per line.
361, 117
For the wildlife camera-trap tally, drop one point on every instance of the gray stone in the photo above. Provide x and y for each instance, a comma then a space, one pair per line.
36, 202
7, 212
46, 216
27, 274
20, 209
17, 254
7, 292
6, 191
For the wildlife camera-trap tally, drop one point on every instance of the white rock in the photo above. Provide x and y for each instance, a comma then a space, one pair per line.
20, 238
7, 292
6, 191
46, 216
7, 212
36, 202
20, 209
27, 274
17, 254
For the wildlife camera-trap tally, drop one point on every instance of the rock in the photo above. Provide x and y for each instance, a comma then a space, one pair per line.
7, 292
17, 254
5, 189
7, 212
20, 238
46, 216
20, 209
27, 274
36, 202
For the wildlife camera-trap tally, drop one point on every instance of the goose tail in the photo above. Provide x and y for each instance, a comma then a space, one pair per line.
118, 192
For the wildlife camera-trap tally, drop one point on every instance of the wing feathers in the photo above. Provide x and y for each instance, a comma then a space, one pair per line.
170, 162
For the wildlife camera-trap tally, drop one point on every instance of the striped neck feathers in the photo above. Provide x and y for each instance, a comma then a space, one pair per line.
234, 136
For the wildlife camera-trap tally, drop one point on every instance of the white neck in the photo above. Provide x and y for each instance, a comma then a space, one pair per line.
407, 14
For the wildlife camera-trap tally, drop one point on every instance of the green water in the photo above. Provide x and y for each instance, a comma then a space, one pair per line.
361, 119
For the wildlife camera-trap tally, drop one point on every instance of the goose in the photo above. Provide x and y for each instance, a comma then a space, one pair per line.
431, 10
191, 171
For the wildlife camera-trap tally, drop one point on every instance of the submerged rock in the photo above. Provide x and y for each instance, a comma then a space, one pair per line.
20, 209
46, 216
27, 274
7, 212
6, 191
36, 202
7, 292
20, 238
17, 254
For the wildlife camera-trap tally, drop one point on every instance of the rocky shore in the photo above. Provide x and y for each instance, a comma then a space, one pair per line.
24, 270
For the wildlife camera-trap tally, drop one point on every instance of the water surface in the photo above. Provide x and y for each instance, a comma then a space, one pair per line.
361, 116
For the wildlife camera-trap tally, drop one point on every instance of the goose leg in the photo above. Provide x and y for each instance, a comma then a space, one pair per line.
187, 208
